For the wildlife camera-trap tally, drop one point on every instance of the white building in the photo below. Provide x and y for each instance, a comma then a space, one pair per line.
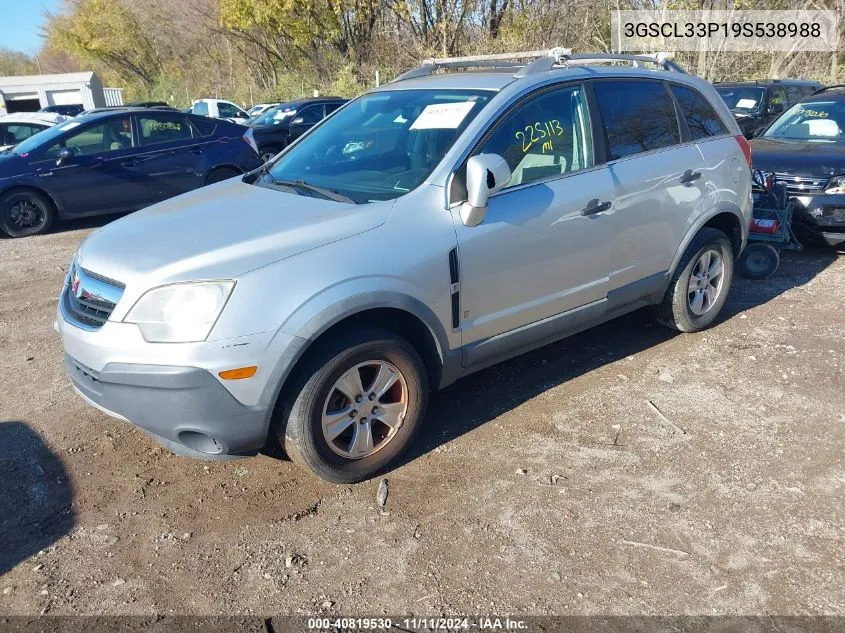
32, 92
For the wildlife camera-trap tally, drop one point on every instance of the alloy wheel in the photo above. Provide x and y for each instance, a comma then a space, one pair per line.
705, 282
364, 409
25, 214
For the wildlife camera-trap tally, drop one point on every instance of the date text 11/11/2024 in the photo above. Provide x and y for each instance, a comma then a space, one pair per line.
460, 623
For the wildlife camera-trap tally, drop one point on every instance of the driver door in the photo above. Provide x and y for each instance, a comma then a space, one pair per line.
539, 262
103, 175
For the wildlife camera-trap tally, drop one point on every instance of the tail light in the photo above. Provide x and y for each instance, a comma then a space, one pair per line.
251, 141
745, 147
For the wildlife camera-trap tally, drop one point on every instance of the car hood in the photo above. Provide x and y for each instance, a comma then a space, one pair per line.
220, 232
798, 158
258, 129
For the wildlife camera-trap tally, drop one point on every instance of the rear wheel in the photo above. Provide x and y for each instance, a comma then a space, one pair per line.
355, 406
267, 152
758, 261
700, 285
220, 174
24, 213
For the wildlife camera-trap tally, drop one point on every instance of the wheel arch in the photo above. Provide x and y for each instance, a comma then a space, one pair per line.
402, 314
231, 166
59, 209
727, 219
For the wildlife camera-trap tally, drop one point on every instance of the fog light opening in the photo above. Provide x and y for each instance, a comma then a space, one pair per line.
201, 442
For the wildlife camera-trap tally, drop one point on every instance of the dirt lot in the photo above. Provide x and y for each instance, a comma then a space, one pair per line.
545, 485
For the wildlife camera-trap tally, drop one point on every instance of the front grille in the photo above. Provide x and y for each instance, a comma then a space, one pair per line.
88, 299
800, 186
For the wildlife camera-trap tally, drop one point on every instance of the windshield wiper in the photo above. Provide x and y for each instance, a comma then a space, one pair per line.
301, 184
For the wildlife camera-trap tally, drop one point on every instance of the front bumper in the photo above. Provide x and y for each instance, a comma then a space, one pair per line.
185, 408
173, 392
821, 217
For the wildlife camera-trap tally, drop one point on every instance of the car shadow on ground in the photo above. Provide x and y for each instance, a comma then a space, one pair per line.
35, 495
483, 396
78, 224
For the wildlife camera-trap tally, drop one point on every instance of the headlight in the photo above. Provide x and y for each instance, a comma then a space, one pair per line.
835, 185
180, 313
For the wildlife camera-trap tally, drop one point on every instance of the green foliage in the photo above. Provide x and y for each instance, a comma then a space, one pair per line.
16, 63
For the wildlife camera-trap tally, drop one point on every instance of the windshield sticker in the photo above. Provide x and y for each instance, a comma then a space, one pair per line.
746, 103
812, 114
441, 116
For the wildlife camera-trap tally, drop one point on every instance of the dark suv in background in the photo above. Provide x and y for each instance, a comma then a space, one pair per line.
115, 161
755, 104
278, 126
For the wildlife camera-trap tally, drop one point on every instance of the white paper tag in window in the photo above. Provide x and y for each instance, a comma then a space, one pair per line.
441, 116
745, 104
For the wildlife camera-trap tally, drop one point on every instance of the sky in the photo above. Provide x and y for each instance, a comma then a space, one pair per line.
20, 22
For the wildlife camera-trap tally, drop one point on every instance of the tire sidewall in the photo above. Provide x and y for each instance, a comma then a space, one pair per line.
215, 175
304, 424
770, 253
9, 200
692, 321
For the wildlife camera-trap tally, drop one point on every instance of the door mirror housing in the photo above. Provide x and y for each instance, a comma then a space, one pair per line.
64, 156
486, 174
775, 108
298, 121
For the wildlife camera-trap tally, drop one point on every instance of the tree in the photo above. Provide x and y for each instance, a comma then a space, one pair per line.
16, 63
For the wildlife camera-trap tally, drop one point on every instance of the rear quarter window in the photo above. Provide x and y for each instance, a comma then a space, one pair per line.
637, 116
702, 119
204, 125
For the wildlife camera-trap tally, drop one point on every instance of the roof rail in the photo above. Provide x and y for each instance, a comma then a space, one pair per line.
530, 62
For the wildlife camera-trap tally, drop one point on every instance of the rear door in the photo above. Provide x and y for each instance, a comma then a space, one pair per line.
171, 159
103, 176
658, 173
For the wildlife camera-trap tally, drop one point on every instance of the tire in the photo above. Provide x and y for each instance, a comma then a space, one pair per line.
24, 213
268, 152
758, 261
680, 308
220, 174
314, 392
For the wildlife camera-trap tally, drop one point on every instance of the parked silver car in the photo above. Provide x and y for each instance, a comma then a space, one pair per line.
429, 228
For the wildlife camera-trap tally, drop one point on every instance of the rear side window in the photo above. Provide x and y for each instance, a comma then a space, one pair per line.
638, 116
702, 120
204, 126
17, 132
158, 128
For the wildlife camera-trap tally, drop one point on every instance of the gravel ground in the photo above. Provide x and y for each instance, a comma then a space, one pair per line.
624, 471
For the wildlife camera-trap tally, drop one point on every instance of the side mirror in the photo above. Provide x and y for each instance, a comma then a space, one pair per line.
775, 108
486, 174
65, 155
298, 121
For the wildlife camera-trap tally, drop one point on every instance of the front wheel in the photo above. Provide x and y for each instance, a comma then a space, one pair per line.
24, 213
220, 174
700, 285
356, 405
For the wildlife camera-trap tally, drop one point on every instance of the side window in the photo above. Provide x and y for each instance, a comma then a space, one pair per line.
547, 136
311, 115
638, 116
777, 100
200, 108
204, 126
17, 132
793, 94
702, 119
229, 111
331, 107
112, 135
158, 128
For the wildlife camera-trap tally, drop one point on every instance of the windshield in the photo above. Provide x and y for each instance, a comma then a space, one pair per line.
44, 137
274, 115
382, 145
810, 121
742, 98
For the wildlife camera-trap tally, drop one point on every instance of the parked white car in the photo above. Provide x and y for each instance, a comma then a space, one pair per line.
219, 109
15, 128
260, 108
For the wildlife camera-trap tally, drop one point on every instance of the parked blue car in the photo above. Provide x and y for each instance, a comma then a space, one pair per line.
116, 161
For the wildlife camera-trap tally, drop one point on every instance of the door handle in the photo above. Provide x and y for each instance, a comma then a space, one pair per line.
134, 162
690, 175
196, 150
595, 206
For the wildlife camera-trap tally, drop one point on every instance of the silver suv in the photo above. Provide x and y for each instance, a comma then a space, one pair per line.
427, 229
